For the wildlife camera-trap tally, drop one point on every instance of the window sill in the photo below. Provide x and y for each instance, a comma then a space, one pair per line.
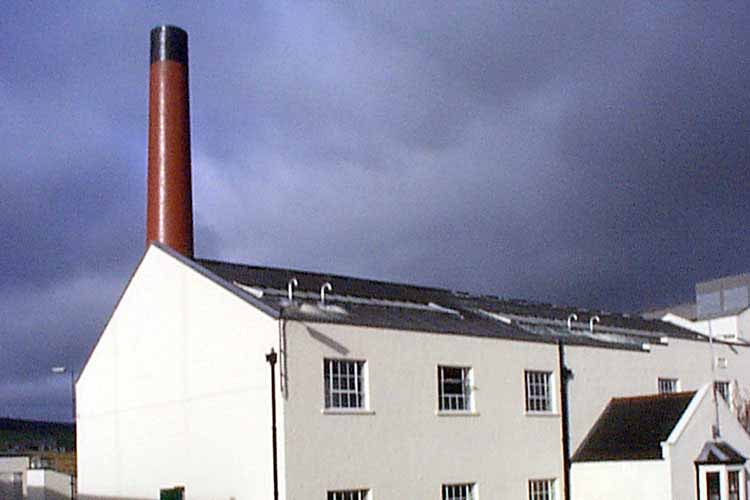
456, 413
346, 411
541, 414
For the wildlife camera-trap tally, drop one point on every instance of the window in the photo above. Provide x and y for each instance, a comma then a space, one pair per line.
713, 485
344, 383
721, 387
733, 478
458, 491
721, 482
667, 385
538, 391
348, 495
454, 388
542, 489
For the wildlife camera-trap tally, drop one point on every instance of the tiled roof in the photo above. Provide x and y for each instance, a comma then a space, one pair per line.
383, 304
633, 428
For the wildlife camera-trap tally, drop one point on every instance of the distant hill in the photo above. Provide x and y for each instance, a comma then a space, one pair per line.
32, 435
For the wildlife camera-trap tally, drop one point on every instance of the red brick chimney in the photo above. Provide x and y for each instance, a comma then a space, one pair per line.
169, 209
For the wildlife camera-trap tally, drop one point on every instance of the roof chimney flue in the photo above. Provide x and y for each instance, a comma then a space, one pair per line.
169, 209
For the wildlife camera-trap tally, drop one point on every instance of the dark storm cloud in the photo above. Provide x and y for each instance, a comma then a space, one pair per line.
590, 153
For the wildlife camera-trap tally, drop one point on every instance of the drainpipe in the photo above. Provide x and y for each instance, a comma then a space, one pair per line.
565, 374
716, 430
271, 359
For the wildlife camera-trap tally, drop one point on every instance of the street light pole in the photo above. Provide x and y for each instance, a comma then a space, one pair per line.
61, 370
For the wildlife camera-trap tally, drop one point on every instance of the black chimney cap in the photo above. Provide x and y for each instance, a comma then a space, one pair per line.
169, 43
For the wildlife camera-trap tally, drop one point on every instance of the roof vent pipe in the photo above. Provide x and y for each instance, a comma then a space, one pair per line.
326, 286
571, 318
594, 319
290, 286
169, 208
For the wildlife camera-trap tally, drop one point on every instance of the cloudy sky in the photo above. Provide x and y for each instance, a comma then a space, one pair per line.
584, 153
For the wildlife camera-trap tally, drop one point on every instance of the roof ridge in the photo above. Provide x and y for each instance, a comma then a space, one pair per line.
332, 275
370, 287
649, 397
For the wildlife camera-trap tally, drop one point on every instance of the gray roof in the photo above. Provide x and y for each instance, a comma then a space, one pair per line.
633, 428
366, 302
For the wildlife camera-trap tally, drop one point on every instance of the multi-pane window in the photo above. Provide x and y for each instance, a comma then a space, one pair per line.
344, 383
667, 385
538, 391
454, 388
458, 491
722, 389
713, 485
348, 495
542, 489
733, 477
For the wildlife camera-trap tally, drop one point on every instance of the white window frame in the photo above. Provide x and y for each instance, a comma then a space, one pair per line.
358, 494
447, 403
358, 379
723, 471
542, 489
448, 491
726, 397
662, 381
549, 400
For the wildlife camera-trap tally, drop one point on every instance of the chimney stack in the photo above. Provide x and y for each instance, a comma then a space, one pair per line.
169, 209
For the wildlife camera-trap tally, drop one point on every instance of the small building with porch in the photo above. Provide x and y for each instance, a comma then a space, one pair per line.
663, 447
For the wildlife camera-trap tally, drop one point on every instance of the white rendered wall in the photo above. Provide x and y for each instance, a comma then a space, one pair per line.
743, 324
46, 484
601, 374
402, 448
696, 433
696, 326
11, 468
725, 326
177, 392
624, 480
736, 325
13, 464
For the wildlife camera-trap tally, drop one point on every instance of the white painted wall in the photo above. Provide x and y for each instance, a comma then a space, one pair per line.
683, 452
732, 326
743, 324
623, 480
46, 484
12, 464
13, 476
601, 374
402, 448
177, 392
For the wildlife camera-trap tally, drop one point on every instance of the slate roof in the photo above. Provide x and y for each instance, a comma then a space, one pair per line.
633, 428
384, 304
719, 453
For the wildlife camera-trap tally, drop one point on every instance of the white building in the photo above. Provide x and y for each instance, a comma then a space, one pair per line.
641, 447
721, 309
26, 477
381, 390
393, 390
